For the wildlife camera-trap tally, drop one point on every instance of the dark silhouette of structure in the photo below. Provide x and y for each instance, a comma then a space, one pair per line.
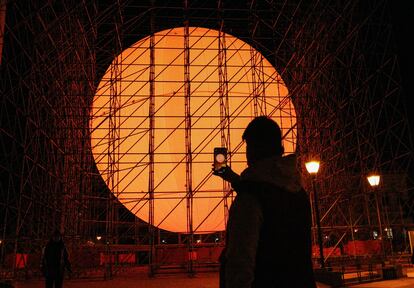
340, 61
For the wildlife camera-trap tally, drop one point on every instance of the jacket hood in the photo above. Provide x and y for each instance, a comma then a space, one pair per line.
279, 171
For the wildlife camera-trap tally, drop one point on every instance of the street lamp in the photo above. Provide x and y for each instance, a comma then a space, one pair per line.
313, 167
374, 180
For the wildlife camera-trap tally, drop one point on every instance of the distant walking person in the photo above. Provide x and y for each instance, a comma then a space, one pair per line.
54, 261
268, 237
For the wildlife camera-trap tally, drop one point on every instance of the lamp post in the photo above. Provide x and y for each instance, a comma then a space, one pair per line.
313, 167
374, 180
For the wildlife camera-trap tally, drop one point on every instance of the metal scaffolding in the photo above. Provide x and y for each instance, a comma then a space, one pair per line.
67, 91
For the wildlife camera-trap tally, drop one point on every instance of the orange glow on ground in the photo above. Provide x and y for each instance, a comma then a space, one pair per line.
128, 77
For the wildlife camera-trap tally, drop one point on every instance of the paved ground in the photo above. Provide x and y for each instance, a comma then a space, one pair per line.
199, 282
400, 283
208, 280
175, 281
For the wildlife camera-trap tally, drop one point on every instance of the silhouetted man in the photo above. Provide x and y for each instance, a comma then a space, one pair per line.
55, 261
268, 242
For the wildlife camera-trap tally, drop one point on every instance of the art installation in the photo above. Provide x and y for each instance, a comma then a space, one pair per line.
219, 107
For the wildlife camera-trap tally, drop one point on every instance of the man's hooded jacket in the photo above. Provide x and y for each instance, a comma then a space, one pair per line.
268, 240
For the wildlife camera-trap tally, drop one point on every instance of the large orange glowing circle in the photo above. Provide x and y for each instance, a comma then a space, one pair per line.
120, 122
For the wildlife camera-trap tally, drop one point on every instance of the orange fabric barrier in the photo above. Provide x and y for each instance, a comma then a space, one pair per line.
326, 251
127, 258
106, 258
359, 247
21, 260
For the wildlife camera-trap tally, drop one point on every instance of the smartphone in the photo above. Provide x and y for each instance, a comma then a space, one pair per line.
220, 158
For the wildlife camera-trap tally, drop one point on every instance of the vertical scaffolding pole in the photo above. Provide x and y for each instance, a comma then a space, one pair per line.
19, 223
224, 102
151, 114
188, 153
257, 72
2, 23
114, 139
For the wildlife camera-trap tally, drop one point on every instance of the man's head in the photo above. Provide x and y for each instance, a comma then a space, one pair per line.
263, 139
56, 236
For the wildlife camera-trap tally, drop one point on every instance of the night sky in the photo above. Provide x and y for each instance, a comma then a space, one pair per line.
403, 22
